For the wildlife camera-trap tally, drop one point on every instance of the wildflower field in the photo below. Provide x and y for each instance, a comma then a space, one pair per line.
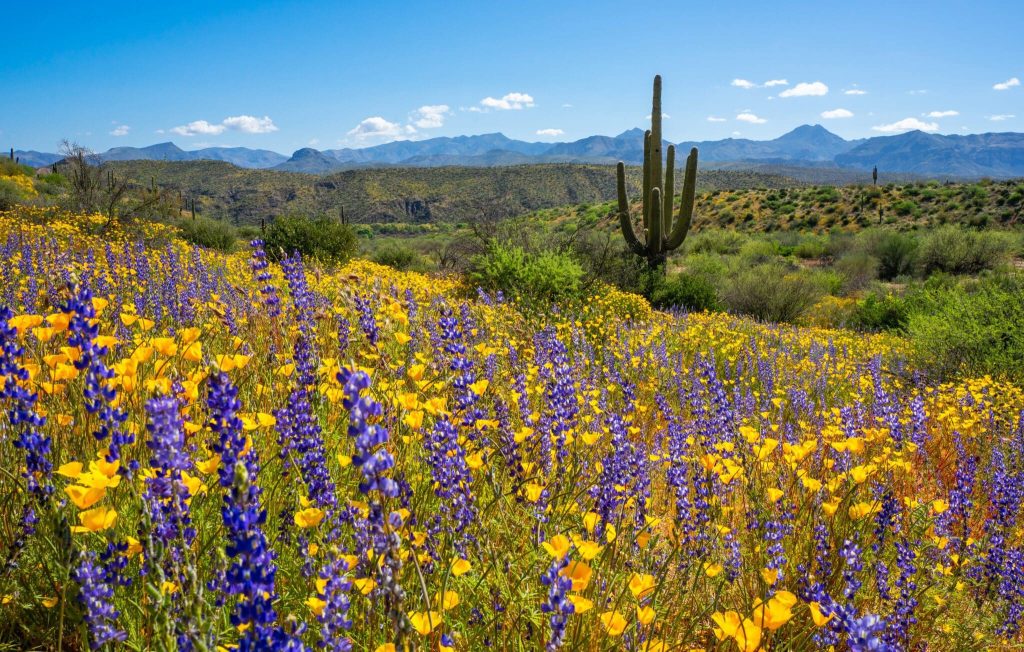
213, 452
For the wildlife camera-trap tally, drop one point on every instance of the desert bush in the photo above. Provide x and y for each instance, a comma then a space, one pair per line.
542, 277
880, 313
756, 252
689, 291
768, 292
205, 232
716, 241
971, 328
858, 269
323, 239
955, 250
10, 195
896, 253
397, 256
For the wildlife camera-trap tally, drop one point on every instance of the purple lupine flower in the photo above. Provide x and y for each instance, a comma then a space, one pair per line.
99, 398
557, 604
452, 481
166, 494
249, 580
334, 620
367, 320
262, 277
96, 594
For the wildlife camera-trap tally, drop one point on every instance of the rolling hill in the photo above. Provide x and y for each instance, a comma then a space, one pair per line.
999, 155
407, 194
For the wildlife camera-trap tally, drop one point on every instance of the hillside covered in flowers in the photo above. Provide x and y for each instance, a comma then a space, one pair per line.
202, 451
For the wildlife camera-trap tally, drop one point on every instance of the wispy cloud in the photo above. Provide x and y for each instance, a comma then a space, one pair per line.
919, 91
854, 91
715, 118
804, 89
1006, 85
942, 114
836, 113
507, 102
120, 130
747, 84
377, 128
430, 116
244, 123
751, 118
550, 132
907, 124
1001, 117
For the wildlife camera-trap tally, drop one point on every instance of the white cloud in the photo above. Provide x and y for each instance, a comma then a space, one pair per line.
736, 133
508, 102
836, 113
430, 116
942, 114
550, 132
804, 89
854, 91
921, 91
567, 106
1001, 117
197, 127
751, 118
1006, 85
376, 127
314, 142
245, 123
250, 124
907, 124
120, 130
715, 118
747, 84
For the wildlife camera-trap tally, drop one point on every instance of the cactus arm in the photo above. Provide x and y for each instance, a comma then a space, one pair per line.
655, 246
670, 180
682, 225
655, 150
646, 185
624, 219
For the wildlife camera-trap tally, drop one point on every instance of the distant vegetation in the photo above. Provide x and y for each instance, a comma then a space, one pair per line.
938, 263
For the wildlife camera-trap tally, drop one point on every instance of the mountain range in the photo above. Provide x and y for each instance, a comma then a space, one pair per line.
998, 155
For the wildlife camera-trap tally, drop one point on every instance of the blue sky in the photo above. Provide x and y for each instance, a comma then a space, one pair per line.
284, 75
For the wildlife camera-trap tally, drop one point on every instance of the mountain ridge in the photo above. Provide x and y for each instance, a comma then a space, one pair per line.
996, 154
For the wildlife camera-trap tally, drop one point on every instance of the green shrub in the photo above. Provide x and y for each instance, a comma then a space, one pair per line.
758, 251
810, 248
954, 250
323, 239
858, 268
896, 254
398, 256
10, 195
544, 277
971, 328
715, 241
769, 293
875, 313
212, 234
694, 293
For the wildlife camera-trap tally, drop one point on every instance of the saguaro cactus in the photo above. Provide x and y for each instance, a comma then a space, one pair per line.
661, 232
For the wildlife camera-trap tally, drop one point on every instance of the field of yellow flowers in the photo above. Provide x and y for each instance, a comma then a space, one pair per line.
211, 452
